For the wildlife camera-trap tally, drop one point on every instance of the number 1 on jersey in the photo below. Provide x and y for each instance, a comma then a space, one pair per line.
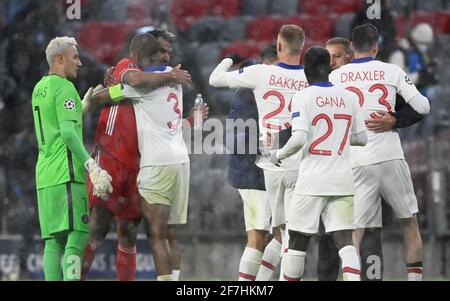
36, 108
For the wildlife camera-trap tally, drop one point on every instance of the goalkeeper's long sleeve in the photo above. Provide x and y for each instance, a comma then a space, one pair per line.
74, 143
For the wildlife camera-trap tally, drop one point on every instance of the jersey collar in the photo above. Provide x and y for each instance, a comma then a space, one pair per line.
155, 68
291, 67
322, 84
362, 60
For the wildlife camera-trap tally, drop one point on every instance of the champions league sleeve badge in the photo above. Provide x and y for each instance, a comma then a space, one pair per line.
69, 104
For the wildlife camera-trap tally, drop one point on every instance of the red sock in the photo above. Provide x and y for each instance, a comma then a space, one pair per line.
89, 256
126, 263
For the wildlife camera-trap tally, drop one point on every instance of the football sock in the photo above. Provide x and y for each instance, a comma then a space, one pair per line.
293, 265
165, 278
176, 274
351, 268
249, 265
271, 258
89, 256
73, 255
126, 263
284, 248
415, 271
53, 250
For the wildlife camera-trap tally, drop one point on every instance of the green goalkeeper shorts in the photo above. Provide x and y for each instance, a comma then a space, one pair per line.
63, 207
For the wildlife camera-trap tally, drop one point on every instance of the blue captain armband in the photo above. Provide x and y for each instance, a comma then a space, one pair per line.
115, 92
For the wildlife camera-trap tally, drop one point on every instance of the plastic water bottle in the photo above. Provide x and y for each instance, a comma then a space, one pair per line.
198, 106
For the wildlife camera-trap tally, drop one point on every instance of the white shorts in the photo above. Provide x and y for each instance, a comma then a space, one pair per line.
166, 185
306, 210
390, 180
280, 187
256, 209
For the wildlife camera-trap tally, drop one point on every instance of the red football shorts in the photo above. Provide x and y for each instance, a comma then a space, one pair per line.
124, 202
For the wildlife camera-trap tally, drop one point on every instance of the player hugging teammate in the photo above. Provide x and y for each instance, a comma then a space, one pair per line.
141, 166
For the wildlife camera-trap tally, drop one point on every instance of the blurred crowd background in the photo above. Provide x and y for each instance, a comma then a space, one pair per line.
208, 30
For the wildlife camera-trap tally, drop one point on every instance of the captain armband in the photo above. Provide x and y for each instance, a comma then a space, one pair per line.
115, 92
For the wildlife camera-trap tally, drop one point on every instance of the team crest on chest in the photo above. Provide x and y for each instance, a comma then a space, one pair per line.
69, 104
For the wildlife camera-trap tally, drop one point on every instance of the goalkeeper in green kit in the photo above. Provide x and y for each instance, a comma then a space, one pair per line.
60, 180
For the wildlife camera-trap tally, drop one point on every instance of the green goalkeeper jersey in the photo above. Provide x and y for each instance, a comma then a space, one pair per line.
55, 100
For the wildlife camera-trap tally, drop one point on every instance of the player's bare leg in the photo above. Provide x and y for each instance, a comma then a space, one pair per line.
413, 248
126, 251
271, 257
175, 252
156, 216
256, 239
99, 226
357, 237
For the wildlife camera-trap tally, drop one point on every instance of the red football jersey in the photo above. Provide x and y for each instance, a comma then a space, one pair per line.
116, 129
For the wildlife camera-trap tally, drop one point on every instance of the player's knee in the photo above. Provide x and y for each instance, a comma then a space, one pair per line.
127, 233
98, 229
158, 231
342, 238
256, 239
171, 233
298, 241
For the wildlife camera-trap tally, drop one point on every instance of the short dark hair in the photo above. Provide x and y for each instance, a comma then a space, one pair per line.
364, 37
317, 63
340, 41
164, 34
269, 53
144, 45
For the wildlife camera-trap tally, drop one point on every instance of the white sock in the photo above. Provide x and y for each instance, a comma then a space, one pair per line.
165, 278
293, 265
351, 267
284, 249
270, 260
415, 271
175, 275
249, 265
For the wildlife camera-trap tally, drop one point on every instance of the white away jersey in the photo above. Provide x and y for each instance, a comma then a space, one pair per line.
159, 118
376, 85
329, 115
273, 87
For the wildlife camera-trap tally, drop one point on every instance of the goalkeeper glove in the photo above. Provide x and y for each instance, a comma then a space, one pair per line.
100, 179
236, 58
87, 103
